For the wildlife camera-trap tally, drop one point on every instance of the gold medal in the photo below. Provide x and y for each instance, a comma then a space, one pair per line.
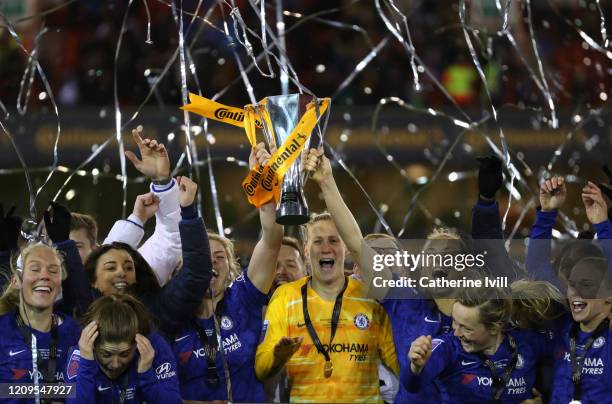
327, 370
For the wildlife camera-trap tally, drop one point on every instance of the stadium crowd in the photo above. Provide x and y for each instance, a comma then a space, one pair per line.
77, 53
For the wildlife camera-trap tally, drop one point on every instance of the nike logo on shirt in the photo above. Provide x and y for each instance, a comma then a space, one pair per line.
427, 320
100, 388
464, 363
301, 325
181, 338
11, 353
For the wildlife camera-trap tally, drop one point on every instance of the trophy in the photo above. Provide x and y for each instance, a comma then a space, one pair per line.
284, 113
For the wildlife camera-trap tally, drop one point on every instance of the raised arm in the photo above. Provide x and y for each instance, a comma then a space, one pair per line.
131, 230
597, 213
163, 249
263, 261
180, 298
316, 163
486, 222
76, 292
9, 233
552, 196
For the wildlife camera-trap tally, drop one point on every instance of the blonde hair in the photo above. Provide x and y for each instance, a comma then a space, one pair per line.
534, 302
376, 236
315, 218
443, 233
9, 301
527, 304
494, 312
228, 246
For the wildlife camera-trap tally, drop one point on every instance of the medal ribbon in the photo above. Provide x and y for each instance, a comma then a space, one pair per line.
499, 382
334, 322
578, 361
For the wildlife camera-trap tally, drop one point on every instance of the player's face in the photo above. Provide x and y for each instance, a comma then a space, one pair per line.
41, 282
289, 266
326, 251
588, 296
115, 358
472, 334
82, 242
434, 267
221, 271
115, 271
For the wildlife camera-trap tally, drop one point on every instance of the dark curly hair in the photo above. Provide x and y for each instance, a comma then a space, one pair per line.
146, 281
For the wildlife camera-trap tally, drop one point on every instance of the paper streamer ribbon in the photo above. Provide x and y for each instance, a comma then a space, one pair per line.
262, 184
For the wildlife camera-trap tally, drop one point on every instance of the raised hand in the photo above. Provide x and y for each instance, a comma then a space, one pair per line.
285, 348
187, 190
155, 163
146, 206
86, 342
57, 222
9, 229
594, 203
419, 354
607, 189
259, 155
146, 351
490, 176
315, 162
552, 194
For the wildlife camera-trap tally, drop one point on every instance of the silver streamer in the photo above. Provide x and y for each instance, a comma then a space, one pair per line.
32, 61
272, 42
118, 127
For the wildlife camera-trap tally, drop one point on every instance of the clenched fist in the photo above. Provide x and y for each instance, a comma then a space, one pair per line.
187, 190
419, 354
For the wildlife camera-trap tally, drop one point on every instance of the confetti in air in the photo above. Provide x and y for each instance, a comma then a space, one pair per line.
247, 50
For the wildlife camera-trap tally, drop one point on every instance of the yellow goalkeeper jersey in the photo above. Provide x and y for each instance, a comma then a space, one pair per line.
362, 337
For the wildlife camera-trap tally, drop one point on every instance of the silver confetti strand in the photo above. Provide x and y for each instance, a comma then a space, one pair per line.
519, 221
545, 90
407, 44
241, 29
360, 66
146, 6
604, 33
342, 164
194, 151
502, 138
184, 92
118, 136
31, 194
58, 129
282, 48
411, 52
285, 66
590, 41
506, 13
34, 349
5, 112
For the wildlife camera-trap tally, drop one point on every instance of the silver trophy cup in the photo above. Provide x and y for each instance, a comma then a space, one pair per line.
285, 112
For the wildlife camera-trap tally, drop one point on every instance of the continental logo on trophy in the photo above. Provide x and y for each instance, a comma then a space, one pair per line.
285, 123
